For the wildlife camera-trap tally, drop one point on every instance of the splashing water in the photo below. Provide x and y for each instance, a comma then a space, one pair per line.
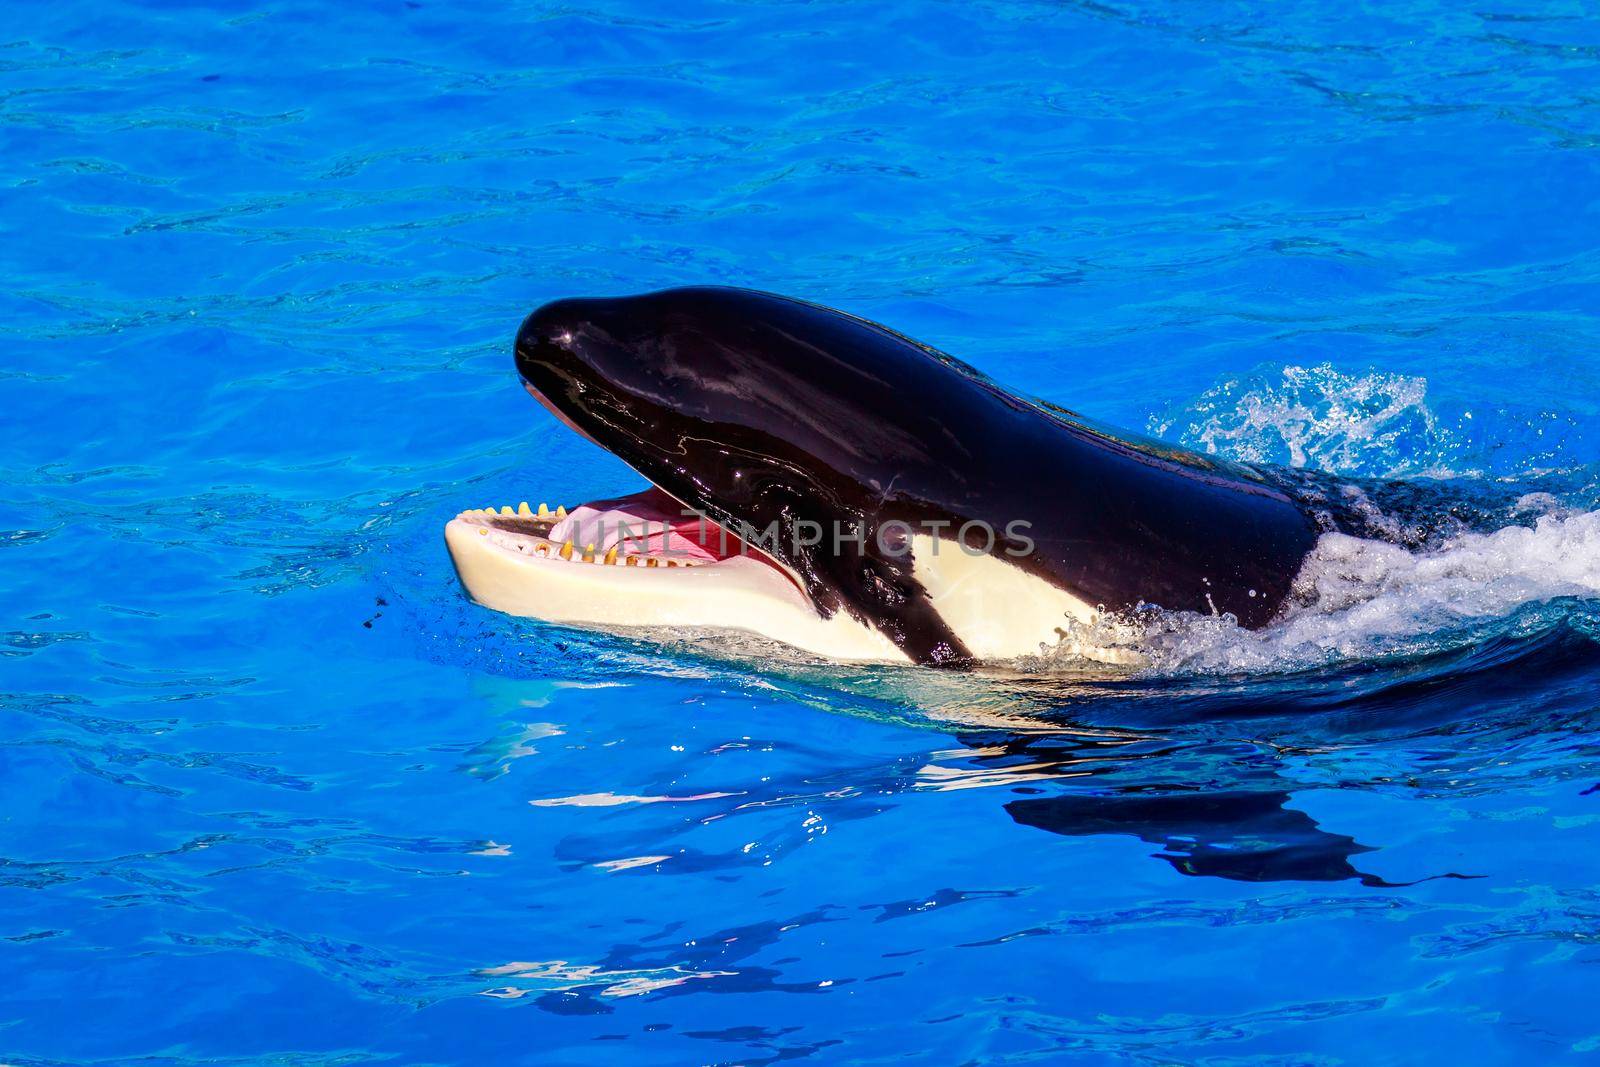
1356, 599
1369, 425
1319, 417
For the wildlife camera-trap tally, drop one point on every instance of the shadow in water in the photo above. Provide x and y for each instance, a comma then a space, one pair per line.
1214, 809
1242, 836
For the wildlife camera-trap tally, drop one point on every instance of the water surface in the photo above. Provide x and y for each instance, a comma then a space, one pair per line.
275, 792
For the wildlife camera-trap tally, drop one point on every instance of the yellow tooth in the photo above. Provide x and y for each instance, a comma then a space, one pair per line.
561, 511
523, 509
672, 563
611, 554
566, 550
544, 512
543, 548
652, 562
588, 553
507, 510
632, 561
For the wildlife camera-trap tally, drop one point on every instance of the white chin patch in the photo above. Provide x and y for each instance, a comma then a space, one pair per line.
997, 609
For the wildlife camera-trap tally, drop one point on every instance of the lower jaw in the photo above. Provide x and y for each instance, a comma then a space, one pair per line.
507, 561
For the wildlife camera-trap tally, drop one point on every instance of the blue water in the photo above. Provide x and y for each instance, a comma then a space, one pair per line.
273, 791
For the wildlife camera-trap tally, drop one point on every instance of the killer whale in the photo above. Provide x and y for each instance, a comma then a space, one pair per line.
974, 522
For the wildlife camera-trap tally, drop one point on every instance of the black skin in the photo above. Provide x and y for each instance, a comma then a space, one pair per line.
759, 409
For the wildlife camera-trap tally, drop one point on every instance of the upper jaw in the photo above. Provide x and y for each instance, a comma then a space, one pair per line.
561, 416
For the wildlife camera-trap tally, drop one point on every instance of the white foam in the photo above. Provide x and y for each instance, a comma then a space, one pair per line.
1363, 599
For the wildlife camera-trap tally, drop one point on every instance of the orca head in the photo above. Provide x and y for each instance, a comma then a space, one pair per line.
810, 441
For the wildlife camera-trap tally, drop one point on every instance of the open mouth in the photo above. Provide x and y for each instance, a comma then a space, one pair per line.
649, 530
640, 562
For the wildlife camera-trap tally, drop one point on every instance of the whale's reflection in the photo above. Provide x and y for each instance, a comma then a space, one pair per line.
1246, 830
1242, 836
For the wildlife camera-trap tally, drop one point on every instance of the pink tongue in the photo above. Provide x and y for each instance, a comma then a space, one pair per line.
648, 523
